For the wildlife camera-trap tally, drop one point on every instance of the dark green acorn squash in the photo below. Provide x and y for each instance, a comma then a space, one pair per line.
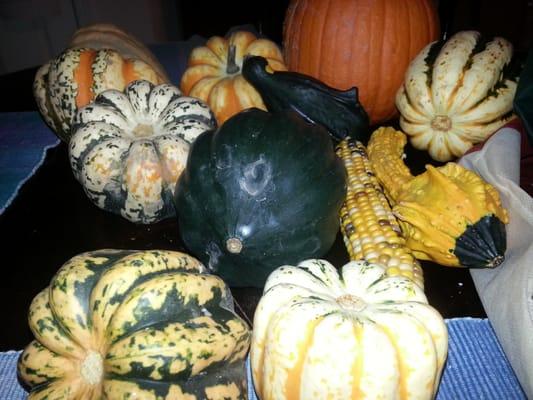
262, 191
337, 110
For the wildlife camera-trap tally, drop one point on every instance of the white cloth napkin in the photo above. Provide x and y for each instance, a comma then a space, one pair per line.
507, 291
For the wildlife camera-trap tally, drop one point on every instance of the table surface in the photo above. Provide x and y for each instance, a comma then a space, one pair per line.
51, 220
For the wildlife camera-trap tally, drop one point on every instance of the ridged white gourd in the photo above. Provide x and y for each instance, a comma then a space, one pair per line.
356, 333
456, 93
129, 148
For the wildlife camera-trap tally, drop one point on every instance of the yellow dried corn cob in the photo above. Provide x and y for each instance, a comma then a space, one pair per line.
386, 145
369, 228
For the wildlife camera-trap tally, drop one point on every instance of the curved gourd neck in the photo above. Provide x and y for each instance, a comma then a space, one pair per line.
254, 70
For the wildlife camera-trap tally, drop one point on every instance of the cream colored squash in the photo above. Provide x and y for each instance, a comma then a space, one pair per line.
356, 333
129, 148
456, 93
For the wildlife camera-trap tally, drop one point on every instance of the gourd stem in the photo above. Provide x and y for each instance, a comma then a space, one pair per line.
231, 66
92, 368
441, 123
351, 302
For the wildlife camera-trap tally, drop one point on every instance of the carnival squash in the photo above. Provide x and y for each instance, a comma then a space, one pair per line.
120, 324
457, 92
129, 148
338, 111
362, 43
213, 72
109, 36
263, 190
356, 333
447, 214
75, 77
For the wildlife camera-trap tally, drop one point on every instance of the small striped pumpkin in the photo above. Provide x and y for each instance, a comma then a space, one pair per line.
129, 148
214, 75
456, 93
357, 334
75, 77
119, 324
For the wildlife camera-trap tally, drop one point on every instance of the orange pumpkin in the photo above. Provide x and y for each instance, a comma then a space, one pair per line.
363, 43
213, 72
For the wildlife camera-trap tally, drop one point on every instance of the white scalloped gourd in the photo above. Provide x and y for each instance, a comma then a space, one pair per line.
456, 93
129, 148
356, 333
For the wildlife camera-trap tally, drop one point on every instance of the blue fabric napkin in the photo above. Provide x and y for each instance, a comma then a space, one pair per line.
476, 368
24, 139
10, 389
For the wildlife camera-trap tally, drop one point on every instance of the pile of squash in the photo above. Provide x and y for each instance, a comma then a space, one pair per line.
263, 155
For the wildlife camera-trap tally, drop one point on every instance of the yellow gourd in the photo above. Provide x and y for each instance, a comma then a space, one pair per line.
447, 214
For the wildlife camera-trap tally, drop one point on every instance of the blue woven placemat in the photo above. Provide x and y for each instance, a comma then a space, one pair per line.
476, 368
9, 386
24, 139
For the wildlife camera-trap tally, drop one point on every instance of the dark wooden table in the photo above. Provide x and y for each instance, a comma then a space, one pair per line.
52, 220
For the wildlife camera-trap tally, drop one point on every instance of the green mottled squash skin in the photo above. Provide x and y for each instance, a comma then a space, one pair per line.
118, 324
262, 191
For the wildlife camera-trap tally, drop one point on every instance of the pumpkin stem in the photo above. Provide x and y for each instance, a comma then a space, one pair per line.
92, 368
234, 245
231, 66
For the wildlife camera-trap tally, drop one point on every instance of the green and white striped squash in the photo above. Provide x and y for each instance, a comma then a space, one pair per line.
456, 93
354, 334
118, 324
129, 148
76, 76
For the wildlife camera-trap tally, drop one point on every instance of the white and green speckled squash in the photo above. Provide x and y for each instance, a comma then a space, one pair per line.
120, 324
358, 334
76, 76
129, 148
456, 93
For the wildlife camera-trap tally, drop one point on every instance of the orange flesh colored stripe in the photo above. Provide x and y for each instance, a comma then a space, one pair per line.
294, 376
83, 76
128, 72
227, 103
357, 367
403, 371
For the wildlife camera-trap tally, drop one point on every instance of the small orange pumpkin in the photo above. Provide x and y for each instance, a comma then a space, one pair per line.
363, 43
213, 72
